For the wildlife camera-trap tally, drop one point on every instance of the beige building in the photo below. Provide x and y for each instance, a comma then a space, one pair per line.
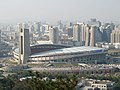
115, 36
24, 44
54, 35
95, 35
92, 35
90, 84
77, 32
81, 33
87, 39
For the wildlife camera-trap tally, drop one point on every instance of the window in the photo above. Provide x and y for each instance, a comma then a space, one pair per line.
21, 30
21, 44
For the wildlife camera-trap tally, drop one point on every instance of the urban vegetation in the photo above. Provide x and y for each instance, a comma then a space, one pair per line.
38, 82
28, 80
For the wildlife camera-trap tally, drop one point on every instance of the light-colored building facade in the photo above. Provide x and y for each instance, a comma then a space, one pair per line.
68, 55
90, 84
37, 27
87, 39
95, 35
115, 36
54, 35
77, 33
24, 44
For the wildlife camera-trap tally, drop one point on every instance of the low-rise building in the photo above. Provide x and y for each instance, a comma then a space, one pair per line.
90, 84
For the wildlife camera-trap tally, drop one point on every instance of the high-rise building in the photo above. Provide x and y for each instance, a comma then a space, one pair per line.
37, 27
81, 33
115, 36
106, 32
31, 28
54, 35
24, 44
60, 25
94, 22
45, 28
77, 33
84, 28
95, 35
87, 39
70, 32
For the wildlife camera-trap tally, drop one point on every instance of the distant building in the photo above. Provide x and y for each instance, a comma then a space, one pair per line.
31, 29
115, 36
54, 35
94, 22
90, 84
77, 33
60, 25
70, 32
84, 33
5, 47
37, 27
87, 41
106, 30
95, 35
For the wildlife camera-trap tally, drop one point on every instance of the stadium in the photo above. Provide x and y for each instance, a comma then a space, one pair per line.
51, 53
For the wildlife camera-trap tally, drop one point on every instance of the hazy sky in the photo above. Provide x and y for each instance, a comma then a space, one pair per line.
12, 11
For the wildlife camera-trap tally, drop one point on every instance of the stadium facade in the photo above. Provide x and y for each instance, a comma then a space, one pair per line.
50, 53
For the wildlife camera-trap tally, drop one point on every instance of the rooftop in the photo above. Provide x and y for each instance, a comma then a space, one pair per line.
81, 49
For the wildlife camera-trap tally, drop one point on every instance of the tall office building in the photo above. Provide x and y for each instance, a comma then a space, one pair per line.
45, 29
95, 35
106, 32
31, 28
87, 39
24, 44
81, 33
37, 27
60, 25
54, 35
115, 36
84, 33
70, 31
77, 33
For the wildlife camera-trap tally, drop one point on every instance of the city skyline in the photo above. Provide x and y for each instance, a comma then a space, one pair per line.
67, 10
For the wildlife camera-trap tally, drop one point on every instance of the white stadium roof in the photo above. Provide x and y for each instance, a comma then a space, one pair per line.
69, 50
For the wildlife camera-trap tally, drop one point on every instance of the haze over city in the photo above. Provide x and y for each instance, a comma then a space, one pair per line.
14, 11
59, 45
